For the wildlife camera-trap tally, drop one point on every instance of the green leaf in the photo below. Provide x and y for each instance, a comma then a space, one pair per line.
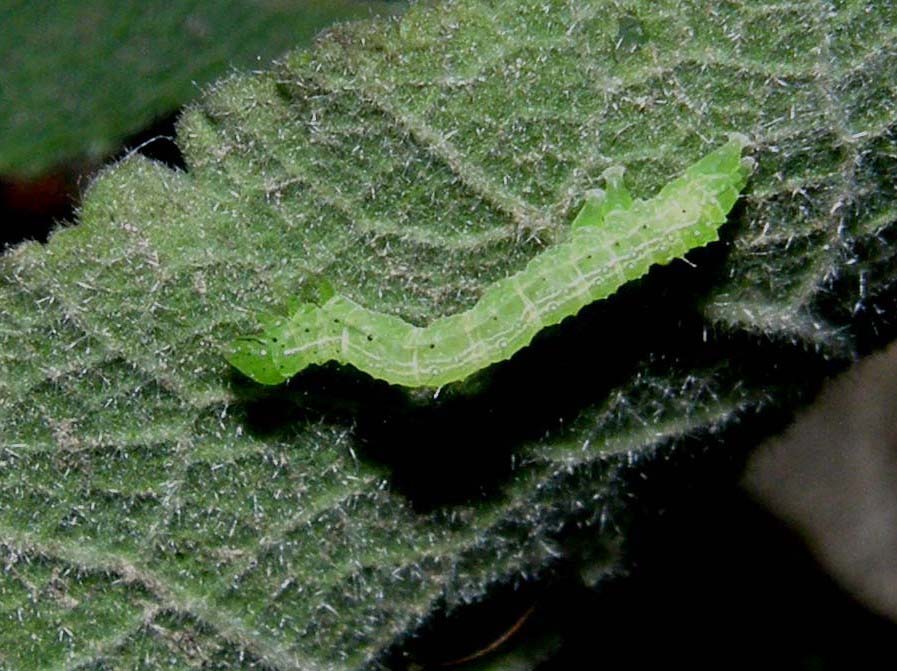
154, 511
79, 77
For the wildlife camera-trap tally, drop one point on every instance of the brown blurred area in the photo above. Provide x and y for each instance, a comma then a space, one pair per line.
29, 208
832, 477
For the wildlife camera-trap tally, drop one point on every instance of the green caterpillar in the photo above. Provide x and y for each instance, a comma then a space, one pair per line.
614, 240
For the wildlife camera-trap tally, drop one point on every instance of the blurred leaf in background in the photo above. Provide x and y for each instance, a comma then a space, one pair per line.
78, 77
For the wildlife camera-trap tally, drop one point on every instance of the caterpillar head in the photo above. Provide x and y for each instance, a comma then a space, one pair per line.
255, 357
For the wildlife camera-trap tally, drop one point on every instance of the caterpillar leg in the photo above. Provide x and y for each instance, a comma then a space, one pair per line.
615, 196
322, 291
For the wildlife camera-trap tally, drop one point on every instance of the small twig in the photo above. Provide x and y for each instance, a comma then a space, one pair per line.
496, 643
